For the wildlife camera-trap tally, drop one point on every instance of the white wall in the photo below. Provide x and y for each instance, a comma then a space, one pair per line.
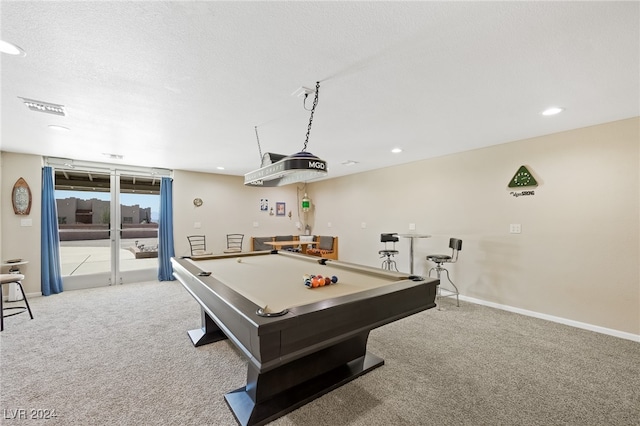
577, 256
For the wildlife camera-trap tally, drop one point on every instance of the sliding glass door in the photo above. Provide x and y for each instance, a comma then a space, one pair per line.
108, 226
136, 238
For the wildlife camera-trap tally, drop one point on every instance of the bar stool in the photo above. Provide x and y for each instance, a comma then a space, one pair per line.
17, 279
388, 253
455, 245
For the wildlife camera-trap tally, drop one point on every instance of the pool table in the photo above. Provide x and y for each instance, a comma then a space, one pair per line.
301, 342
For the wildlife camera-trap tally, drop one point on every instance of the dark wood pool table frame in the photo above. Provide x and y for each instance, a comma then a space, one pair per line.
305, 353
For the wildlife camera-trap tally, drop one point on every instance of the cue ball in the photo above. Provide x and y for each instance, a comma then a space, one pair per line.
239, 260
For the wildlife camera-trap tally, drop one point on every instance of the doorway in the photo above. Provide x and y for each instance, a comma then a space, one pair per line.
108, 225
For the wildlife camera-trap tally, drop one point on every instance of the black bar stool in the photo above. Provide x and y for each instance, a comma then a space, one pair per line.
9, 279
387, 253
455, 245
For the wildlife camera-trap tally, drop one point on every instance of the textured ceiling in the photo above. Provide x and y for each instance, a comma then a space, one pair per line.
182, 85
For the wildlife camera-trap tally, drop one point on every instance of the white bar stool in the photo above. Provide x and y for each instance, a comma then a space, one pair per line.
9, 279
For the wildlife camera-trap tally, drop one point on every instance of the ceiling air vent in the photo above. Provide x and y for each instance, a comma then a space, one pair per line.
43, 106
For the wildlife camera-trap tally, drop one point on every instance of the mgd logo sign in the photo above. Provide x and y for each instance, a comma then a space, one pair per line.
318, 165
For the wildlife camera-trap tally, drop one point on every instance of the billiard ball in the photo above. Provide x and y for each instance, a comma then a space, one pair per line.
327, 281
334, 279
239, 260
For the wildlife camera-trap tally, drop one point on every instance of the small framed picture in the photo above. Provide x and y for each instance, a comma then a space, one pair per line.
281, 209
264, 204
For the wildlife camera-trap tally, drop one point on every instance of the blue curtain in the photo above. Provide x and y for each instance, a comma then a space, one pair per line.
165, 233
51, 277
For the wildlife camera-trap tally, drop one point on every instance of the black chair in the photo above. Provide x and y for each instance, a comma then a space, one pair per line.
388, 253
234, 243
455, 245
198, 245
9, 279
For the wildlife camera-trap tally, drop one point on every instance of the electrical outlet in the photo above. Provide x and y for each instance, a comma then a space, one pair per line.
363, 225
515, 228
197, 225
412, 227
255, 224
328, 224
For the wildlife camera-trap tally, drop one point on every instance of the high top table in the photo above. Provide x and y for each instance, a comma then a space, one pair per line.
411, 238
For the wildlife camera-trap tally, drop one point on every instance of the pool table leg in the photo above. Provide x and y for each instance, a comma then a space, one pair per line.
274, 393
208, 333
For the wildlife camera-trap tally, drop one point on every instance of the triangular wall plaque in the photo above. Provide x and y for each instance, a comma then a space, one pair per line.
522, 178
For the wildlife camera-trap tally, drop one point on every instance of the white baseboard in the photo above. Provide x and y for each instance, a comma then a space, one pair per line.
29, 296
572, 323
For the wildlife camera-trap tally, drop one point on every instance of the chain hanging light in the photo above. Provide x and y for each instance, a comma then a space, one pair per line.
279, 170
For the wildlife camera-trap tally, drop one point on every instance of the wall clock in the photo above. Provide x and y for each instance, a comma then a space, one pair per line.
522, 178
21, 197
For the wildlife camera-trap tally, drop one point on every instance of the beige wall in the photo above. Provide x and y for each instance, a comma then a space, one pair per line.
19, 241
229, 207
577, 256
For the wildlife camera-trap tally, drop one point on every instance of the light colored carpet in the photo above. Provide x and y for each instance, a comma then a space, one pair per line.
121, 356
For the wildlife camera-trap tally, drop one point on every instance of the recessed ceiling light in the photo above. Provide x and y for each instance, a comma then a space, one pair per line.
220, 168
552, 111
11, 49
349, 163
396, 150
58, 128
